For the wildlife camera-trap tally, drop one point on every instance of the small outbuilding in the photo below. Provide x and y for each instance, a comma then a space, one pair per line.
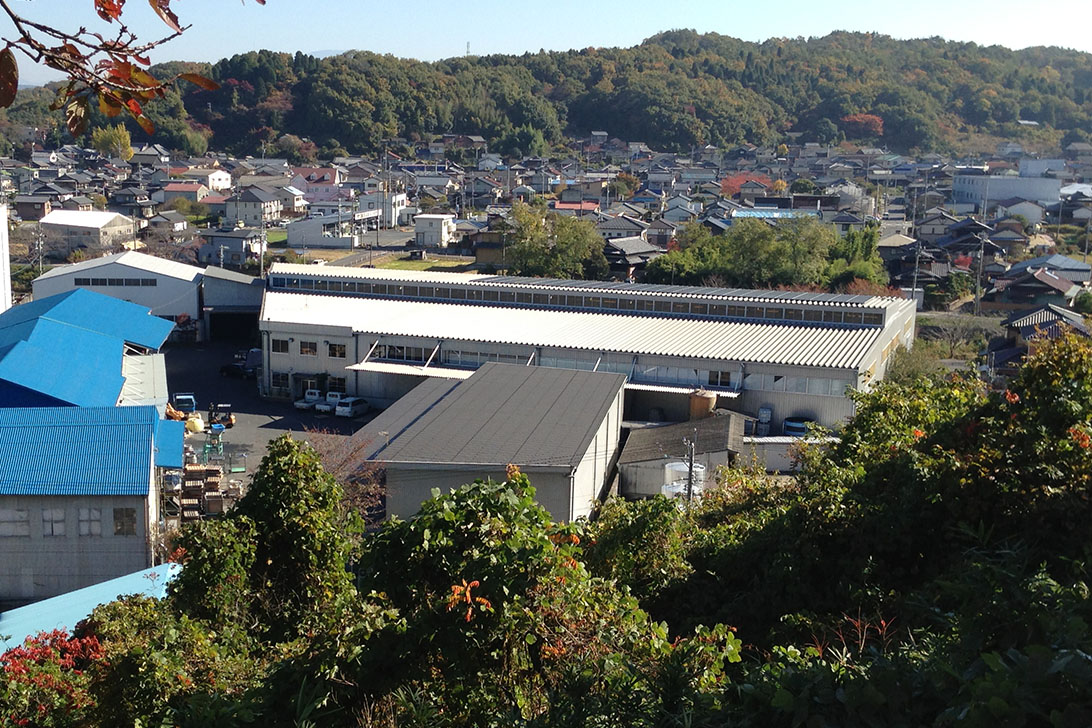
560, 426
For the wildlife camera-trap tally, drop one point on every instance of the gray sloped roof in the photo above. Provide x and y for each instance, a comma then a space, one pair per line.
504, 413
712, 434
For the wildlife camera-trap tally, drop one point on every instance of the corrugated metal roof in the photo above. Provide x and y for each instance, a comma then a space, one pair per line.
711, 434
82, 218
50, 347
801, 345
386, 367
145, 381
132, 259
81, 450
669, 389
96, 312
484, 420
742, 295
67, 610
65, 365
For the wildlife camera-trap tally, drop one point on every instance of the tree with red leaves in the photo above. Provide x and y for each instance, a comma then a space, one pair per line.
109, 68
42, 682
730, 185
863, 125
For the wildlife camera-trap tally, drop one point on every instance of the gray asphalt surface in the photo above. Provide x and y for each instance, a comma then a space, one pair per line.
197, 369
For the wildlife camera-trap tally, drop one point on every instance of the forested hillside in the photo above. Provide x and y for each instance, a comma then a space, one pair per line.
676, 90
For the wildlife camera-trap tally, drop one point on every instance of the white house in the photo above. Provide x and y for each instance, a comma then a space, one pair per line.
434, 231
390, 205
253, 206
216, 180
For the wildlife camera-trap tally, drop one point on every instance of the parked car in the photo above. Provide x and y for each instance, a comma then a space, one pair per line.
351, 407
328, 405
239, 370
796, 426
310, 398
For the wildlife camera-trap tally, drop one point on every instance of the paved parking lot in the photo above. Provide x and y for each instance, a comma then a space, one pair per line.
197, 369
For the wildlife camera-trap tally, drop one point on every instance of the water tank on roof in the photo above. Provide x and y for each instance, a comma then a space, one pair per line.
702, 404
675, 480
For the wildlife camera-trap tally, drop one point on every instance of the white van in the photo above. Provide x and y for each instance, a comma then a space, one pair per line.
351, 407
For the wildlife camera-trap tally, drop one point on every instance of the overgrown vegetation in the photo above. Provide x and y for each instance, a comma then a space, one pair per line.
801, 252
930, 568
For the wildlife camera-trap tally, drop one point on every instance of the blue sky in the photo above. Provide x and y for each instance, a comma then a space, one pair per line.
431, 30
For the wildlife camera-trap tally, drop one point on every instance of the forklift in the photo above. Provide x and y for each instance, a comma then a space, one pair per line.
221, 414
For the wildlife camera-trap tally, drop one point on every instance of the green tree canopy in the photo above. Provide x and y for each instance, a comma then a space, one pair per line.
112, 141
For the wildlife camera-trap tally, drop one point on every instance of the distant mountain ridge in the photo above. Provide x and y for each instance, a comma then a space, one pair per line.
675, 91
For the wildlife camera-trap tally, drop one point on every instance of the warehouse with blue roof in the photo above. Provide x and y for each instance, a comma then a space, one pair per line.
82, 442
79, 495
50, 346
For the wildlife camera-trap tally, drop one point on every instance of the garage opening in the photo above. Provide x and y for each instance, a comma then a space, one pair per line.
240, 328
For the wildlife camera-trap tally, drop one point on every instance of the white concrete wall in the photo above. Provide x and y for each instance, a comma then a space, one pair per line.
39, 566
409, 485
591, 474
169, 297
5, 261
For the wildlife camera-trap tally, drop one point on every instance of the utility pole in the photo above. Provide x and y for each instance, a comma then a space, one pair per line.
917, 265
978, 278
1087, 230
261, 252
39, 241
690, 466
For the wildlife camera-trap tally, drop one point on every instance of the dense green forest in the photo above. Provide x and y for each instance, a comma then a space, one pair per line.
931, 568
675, 91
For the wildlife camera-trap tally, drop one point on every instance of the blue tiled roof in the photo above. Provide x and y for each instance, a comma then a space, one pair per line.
771, 214
48, 348
67, 610
96, 312
54, 360
83, 450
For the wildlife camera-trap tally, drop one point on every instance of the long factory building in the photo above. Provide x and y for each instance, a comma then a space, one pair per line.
378, 333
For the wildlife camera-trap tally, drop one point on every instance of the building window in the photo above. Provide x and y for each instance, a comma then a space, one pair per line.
279, 346
336, 351
83, 281
336, 384
53, 521
125, 521
14, 522
279, 379
309, 348
90, 521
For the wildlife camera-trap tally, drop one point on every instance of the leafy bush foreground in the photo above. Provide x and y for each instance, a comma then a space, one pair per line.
930, 569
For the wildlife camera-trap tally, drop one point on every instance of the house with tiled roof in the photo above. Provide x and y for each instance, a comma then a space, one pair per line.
253, 206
